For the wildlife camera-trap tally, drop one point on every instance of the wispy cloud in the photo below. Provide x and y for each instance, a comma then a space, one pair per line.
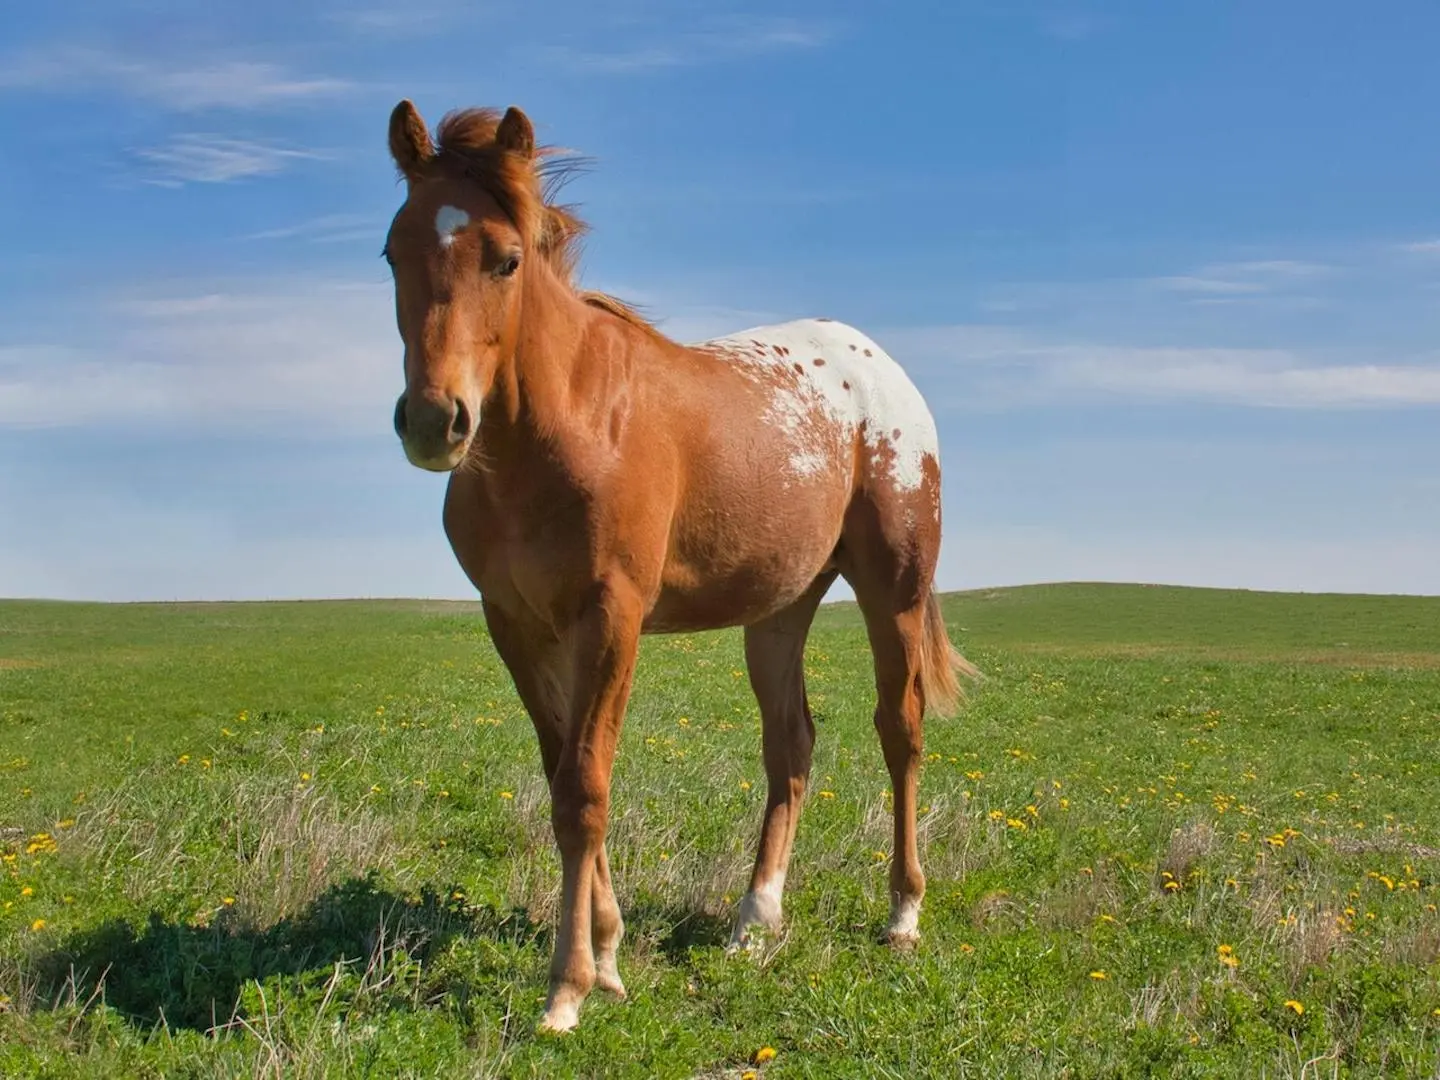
215, 159
722, 40
1245, 278
221, 83
1422, 247
1003, 368
1070, 26
328, 229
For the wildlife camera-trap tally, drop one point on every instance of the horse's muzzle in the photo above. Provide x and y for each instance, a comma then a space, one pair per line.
435, 434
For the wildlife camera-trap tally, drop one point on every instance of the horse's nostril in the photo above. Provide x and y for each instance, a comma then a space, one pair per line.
400, 416
460, 423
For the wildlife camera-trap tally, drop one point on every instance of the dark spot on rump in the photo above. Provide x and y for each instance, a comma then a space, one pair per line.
846, 384
819, 361
852, 348
800, 368
867, 352
895, 434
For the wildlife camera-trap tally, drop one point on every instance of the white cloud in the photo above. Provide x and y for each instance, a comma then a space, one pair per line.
237, 84
1422, 247
1000, 367
319, 355
723, 39
1274, 378
1191, 283
215, 159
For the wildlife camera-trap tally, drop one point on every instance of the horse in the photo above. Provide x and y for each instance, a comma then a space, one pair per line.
607, 482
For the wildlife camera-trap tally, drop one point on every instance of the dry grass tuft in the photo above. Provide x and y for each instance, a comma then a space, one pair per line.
1189, 846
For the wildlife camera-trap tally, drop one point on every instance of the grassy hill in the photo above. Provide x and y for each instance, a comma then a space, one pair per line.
1180, 832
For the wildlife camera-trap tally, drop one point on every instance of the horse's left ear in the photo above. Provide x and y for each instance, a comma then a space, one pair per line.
516, 133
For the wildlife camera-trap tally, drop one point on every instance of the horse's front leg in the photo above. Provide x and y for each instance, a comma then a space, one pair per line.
605, 645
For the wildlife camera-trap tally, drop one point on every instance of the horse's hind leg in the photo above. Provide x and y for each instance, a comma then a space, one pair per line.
890, 563
775, 657
896, 637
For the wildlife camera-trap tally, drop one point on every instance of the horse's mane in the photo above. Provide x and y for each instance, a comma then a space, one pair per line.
526, 193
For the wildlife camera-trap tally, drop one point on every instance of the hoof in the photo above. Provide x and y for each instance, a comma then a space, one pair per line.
902, 940
758, 911
607, 978
560, 1017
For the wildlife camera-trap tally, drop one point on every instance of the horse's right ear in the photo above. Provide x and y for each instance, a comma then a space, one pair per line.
409, 140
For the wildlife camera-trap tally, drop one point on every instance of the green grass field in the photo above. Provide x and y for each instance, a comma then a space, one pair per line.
1175, 833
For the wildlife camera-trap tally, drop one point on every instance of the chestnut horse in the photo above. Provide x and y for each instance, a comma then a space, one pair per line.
607, 482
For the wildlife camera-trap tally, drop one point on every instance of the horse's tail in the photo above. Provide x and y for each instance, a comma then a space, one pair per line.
941, 663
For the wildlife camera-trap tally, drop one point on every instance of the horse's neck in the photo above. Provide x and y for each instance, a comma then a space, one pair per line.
552, 325
550, 386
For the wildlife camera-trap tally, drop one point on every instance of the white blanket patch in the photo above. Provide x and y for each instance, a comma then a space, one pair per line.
850, 379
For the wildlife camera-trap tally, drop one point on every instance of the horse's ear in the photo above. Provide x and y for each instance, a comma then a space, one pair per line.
516, 133
409, 140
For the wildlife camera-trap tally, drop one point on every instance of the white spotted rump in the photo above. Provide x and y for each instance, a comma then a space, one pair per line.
816, 365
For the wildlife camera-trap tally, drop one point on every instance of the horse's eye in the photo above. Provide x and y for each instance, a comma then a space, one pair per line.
508, 267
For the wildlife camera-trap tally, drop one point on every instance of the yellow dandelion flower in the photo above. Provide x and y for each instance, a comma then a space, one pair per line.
1295, 1007
68, 823
228, 901
749, 1074
827, 794
183, 759
38, 925
997, 815
1098, 976
764, 1054
744, 785
507, 794
304, 776
27, 891
967, 948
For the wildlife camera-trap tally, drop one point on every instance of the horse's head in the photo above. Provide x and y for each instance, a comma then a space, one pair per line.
471, 216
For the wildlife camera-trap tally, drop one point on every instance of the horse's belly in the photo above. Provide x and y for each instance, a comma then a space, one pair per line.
736, 565
734, 600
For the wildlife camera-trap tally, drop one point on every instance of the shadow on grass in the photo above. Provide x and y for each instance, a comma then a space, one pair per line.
191, 976
674, 929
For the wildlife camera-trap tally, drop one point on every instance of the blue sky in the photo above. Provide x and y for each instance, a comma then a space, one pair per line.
1168, 274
